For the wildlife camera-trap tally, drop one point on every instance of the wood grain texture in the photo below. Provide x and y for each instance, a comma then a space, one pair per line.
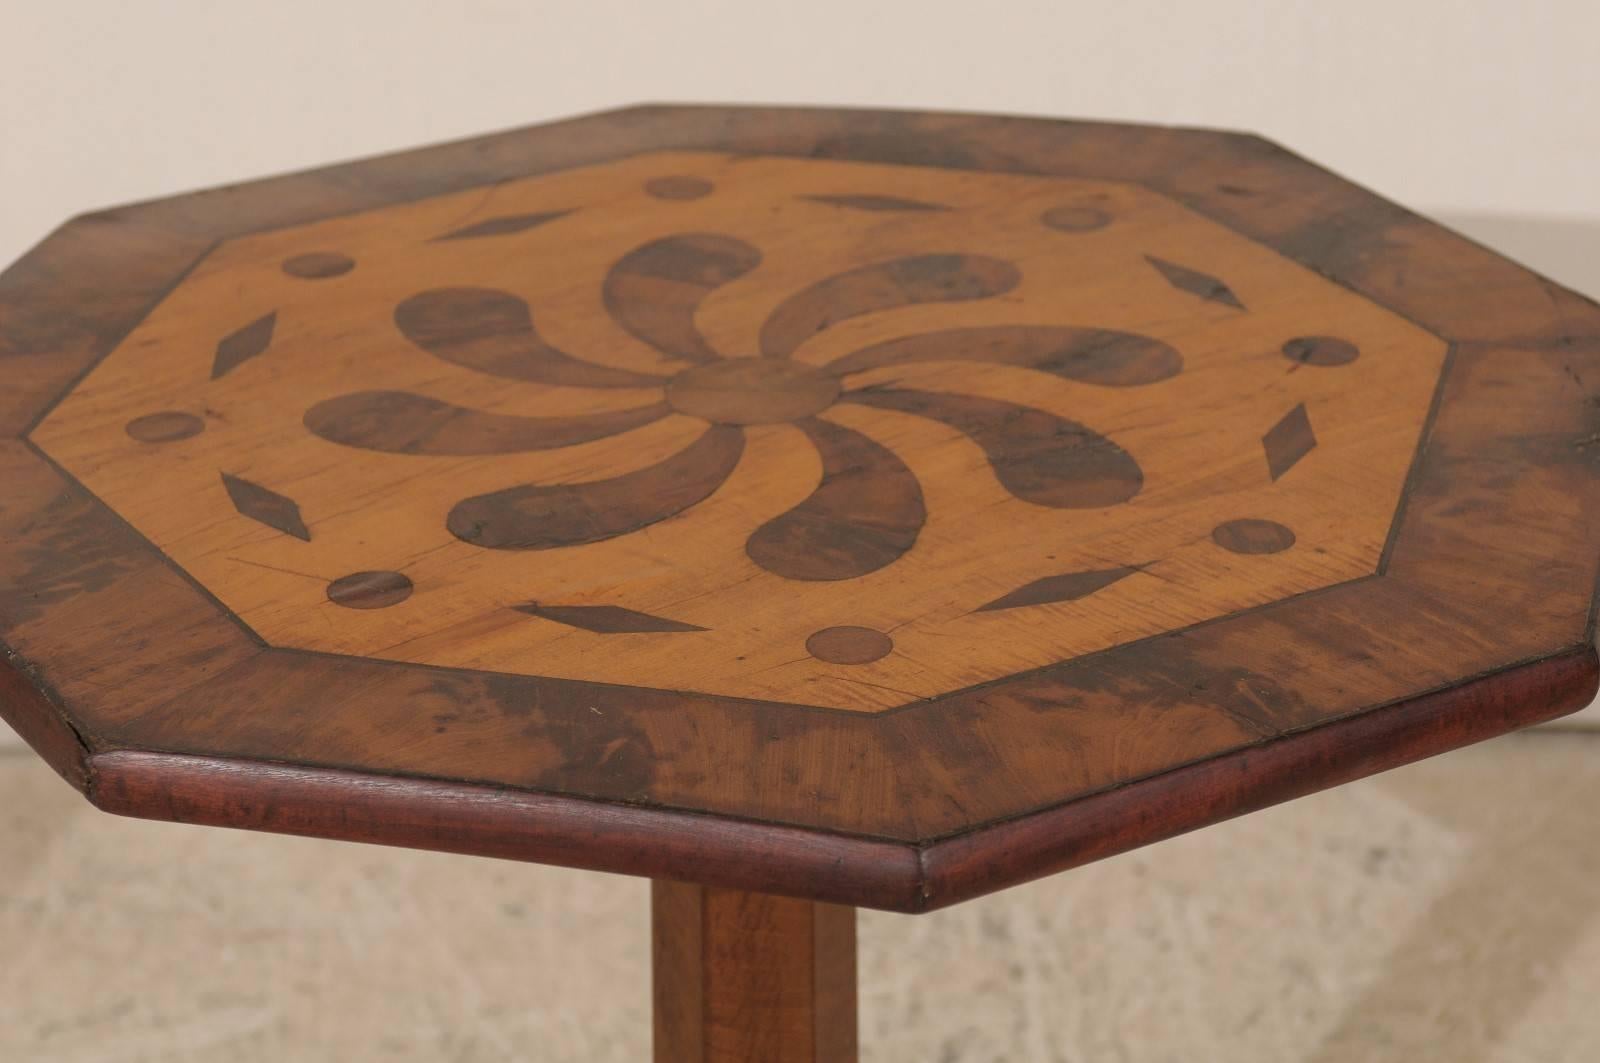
924, 682
742, 976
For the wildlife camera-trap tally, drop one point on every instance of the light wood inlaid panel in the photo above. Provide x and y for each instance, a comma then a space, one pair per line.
835, 433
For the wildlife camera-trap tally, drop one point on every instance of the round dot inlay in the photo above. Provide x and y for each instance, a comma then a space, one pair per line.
849, 645
1321, 350
1251, 536
168, 426
752, 391
1075, 219
318, 265
679, 187
370, 590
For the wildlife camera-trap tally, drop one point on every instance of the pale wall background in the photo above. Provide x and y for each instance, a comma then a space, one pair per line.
1483, 114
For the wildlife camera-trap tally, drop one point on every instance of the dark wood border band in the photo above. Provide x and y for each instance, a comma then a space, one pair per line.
818, 865
1256, 777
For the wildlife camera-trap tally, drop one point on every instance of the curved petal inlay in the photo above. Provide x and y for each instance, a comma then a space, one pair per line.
654, 290
864, 514
1088, 355
883, 286
1037, 456
401, 422
492, 331
538, 517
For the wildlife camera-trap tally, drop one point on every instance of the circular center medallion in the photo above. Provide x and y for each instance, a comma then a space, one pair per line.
752, 391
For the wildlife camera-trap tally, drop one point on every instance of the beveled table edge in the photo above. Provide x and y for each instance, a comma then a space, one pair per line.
513, 824
866, 872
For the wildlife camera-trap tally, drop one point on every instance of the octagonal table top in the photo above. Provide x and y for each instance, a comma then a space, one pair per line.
876, 507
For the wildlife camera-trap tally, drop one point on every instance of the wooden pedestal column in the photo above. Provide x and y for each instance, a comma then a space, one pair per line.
748, 976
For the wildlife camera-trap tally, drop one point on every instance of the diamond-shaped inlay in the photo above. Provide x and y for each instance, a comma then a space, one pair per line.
1288, 441
605, 619
504, 225
1067, 587
236, 348
266, 506
878, 203
1196, 283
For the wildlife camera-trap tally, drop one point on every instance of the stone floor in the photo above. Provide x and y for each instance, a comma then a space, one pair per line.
1448, 911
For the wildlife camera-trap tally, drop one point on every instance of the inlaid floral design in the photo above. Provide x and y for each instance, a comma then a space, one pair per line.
867, 509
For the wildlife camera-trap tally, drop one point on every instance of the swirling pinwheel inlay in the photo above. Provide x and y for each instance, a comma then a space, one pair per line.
868, 508
824, 432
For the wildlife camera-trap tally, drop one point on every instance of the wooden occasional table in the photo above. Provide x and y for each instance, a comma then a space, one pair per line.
806, 509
